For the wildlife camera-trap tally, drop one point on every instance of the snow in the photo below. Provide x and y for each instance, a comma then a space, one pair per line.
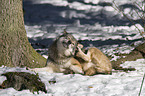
99, 26
117, 84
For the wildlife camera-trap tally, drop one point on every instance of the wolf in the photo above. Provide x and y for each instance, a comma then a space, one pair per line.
61, 56
94, 61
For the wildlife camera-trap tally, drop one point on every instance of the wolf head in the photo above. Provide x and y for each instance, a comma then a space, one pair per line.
66, 44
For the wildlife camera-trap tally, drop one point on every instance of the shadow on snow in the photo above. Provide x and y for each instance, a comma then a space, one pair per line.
47, 13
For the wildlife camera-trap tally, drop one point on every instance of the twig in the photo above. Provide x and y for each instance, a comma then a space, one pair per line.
138, 14
141, 85
138, 5
143, 16
119, 10
143, 10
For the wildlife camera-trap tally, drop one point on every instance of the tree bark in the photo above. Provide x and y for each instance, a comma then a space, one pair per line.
15, 49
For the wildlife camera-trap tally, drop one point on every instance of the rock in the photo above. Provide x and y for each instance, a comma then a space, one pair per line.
137, 53
141, 49
23, 80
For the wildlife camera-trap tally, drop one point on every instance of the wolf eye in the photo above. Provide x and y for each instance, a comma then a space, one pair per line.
69, 42
65, 44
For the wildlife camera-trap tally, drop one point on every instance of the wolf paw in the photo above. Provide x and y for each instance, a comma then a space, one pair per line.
91, 71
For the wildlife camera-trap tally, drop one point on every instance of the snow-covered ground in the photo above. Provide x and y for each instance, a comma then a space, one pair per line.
97, 24
117, 84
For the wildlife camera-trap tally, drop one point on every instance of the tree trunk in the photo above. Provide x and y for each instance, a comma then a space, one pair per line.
15, 49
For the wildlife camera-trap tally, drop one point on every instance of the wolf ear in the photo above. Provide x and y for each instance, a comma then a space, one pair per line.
64, 32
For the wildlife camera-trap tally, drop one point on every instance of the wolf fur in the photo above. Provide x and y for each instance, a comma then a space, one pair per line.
94, 61
61, 55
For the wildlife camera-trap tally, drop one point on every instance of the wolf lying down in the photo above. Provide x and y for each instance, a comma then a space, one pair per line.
66, 55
